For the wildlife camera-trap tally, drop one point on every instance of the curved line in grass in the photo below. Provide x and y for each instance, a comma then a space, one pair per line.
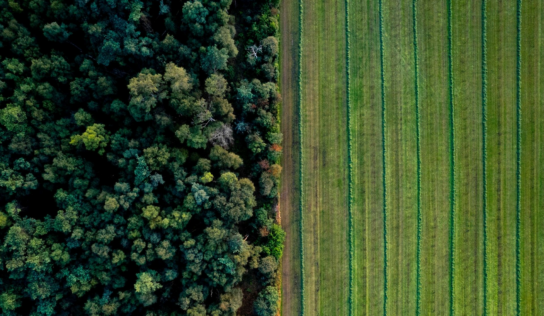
452, 162
384, 168
484, 143
350, 167
518, 158
418, 146
301, 157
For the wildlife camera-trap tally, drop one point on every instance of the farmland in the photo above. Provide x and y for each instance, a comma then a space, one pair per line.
412, 163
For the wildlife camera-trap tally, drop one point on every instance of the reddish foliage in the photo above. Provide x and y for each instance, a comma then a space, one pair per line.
263, 102
264, 164
275, 147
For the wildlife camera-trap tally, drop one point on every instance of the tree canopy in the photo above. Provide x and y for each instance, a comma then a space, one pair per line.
139, 157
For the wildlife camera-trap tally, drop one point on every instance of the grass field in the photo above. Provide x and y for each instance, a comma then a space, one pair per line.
446, 141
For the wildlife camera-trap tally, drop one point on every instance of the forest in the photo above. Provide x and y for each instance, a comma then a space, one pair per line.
139, 157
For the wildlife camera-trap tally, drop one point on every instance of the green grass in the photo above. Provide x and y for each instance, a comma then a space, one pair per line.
531, 175
518, 157
350, 160
326, 249
400, 157
484, 152
367, 209
468, 237
501, 157
384, 157
419, 174
418, 157
435, 158
451, 100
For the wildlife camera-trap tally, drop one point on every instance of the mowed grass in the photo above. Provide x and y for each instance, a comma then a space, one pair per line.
467, 71
501, 157
532, 238
401, 161
435, 158
538, 216
367, 158
290, 189
325, 159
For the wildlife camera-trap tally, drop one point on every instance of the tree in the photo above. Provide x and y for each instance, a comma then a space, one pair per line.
146, 91
214, 59
216, 86
224, 38
122, 190
95, 137
267, 302
271, 47
177, 78
13, 118
223, 159
146, 285
194, 16
55, 32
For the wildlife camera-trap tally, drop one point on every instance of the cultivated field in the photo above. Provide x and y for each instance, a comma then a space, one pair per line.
413, 171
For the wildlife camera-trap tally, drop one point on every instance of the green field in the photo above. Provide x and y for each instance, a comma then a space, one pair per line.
446, 215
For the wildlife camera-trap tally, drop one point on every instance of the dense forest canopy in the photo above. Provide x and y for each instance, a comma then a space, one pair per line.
139, 157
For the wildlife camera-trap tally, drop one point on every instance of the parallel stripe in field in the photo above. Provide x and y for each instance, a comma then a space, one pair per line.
384, 125
452, 163
350, 165
301, 155
484, 144
418, 145
518, 157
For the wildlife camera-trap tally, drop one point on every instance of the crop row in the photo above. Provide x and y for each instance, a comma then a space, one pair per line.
418, 146
484, 142
452, 161
350, 164
384, 154
301, 153
518, 159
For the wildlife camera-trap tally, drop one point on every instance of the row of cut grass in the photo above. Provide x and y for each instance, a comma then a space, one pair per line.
401, 157
435, 157
501, 157
326, 250
384, 161
468, 217
518, 157
452, 160
350, 162
531, 170
418, 157
484, 150
301, 155
367, 208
